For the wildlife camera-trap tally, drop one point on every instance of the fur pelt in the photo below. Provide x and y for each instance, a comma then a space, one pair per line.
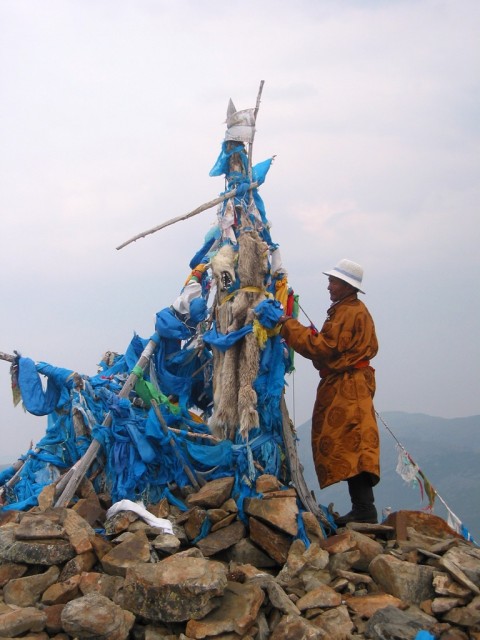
235, 399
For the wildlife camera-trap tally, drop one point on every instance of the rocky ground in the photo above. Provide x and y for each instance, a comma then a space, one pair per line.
61, 578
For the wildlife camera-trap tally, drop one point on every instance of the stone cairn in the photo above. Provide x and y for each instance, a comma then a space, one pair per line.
73, 573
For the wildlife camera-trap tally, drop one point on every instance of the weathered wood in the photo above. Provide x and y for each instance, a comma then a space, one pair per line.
255, 113
296, 470
7, 357
202, 207
191, 476
81, 467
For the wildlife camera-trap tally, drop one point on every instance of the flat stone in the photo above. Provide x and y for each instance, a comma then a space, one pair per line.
410, 582
38, 526
344, 561
445, 586
392, 622
79, 532
94, 616
62, 592
101, 583
9, 571
160, 509
101, 546
458, 574
20, 621
339, 543
224, 523
321, 597
468, 616
294, 562
295, 627
230, 506
467, 559
166, 543
368, 549
213, 494
274, 543
83, 562
90, 510
27, 591
355, 578
119, 522
54, 618
266, 483
222, 539
41, 552
335, 623
176, 589
245, 552
279, 599
424, 523
366, 606
217, 515
283, 493
134, 550
236, 613
313, 528
194, 522
280, 513
443, 604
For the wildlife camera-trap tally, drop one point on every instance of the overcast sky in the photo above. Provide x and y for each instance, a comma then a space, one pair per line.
112, 114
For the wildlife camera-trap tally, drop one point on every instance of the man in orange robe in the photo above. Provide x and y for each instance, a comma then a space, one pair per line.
345, 440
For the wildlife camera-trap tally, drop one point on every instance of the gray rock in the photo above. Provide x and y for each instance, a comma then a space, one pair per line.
41, 552
25, 592
393, 624
295, 627
410, 582
14, 623
175, 589
95, 616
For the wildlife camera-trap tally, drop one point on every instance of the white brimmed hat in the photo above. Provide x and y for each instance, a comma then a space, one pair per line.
349, 272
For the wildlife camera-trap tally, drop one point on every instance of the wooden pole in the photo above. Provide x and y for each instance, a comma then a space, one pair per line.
255, 113
81, 467
191, 476
202, 207
296, 469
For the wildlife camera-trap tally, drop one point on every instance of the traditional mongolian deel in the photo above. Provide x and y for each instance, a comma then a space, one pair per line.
345, 438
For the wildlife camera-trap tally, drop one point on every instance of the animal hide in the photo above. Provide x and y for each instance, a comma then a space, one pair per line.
235, 400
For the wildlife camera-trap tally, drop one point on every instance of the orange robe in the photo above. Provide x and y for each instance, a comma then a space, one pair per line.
345, 438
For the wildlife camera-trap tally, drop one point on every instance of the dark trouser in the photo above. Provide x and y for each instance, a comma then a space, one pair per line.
361, 492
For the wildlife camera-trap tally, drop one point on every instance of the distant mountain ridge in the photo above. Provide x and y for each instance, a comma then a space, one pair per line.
447, 450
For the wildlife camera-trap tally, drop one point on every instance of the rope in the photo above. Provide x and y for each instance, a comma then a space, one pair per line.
455, 518
248, 289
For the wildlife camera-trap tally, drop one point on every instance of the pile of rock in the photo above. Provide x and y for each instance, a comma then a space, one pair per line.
253, 579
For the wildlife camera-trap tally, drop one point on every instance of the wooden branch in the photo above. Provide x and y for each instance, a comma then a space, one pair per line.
202, 207
81, 467
296, 469
193, 434
191, 476
7, 357
255, 113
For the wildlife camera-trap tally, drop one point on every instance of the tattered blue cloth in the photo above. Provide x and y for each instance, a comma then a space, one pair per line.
221, 165
167, 325
269, 313
36, 400
223, 341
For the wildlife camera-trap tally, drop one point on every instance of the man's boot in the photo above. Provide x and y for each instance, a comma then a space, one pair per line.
363, 507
